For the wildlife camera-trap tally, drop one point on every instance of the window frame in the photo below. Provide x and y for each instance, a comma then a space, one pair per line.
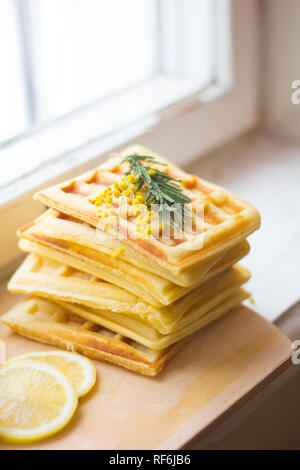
210, 118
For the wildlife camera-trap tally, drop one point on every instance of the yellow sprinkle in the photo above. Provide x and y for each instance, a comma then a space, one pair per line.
117, 193
127, 193
118, 252
131, 179
108, 200
129, 202
251, 300
105, 214
149, 213
138, 229
99, 199
151, 172
123, 186
116, 185
190, 182
139, 200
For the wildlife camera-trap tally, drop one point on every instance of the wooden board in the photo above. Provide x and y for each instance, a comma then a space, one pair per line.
216, 372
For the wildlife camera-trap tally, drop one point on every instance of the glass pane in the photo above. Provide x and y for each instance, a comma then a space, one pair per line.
91, 49
187, 39
13, 114
61, 55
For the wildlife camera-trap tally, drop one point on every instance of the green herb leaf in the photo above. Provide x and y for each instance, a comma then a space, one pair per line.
161, 189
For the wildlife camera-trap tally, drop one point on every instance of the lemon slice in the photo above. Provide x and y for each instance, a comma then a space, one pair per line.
36, 401
79, 370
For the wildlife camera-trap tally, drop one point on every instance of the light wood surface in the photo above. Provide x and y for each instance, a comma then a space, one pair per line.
214, 374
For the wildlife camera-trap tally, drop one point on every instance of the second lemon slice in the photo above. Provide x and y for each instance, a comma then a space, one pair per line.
79, 370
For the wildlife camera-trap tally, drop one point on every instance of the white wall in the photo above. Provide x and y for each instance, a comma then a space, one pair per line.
281, 65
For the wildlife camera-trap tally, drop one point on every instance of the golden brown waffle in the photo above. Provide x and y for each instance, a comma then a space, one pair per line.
54, 227
228, 219
46, 322
149, 287
46, 277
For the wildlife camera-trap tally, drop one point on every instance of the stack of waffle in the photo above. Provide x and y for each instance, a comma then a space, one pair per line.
132, 300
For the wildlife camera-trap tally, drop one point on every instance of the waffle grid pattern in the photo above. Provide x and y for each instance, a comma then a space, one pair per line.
224, 212
53, 324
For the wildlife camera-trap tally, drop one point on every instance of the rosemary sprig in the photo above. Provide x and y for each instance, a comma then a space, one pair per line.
161, 189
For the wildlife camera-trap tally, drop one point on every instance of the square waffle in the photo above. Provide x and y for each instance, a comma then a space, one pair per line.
53, 324
149, 287
58, 227
46, 277
228, 219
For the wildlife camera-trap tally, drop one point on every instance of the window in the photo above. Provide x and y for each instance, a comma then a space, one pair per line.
13, 107
61, 55
195, 85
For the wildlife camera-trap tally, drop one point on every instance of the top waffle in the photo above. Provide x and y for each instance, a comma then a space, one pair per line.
225, 218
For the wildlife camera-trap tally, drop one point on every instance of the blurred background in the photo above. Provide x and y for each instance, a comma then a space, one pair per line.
60, 55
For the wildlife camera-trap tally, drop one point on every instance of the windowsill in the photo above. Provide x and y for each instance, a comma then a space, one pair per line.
265, 170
